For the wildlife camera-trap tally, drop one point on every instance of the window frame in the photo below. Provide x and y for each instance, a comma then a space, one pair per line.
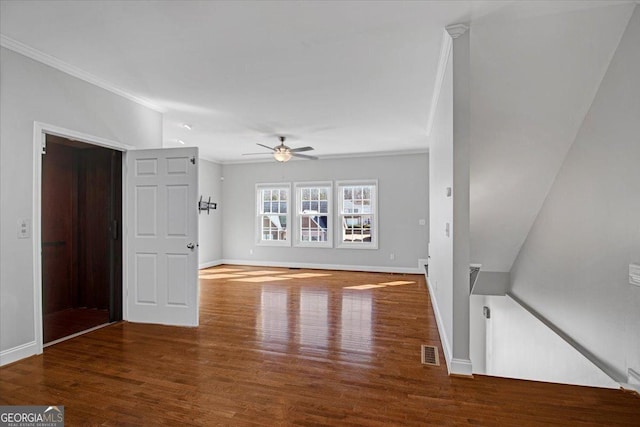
339, 185
298, 187
259, 214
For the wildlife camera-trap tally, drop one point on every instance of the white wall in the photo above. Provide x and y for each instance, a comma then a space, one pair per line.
210, 226
402, 202
441, 211
477, 334
491, 283
536, 68
573, 266
31, 91
520, 346
461, 363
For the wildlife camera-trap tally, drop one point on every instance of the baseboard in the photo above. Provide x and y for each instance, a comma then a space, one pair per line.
340, 267
210, 264
633, 388
633, 382
16, 353
461, 368
444, 340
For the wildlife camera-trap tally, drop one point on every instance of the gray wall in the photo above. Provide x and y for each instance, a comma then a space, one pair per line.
573, 266
210, 226
32, 91
402, 202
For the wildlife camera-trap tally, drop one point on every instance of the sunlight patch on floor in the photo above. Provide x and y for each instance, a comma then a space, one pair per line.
305, 275
260, 279
362, 287
261, 272
220, 270
397, 283
380, 285
220, 276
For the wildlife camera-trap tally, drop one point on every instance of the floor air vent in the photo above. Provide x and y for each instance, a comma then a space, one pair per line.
430, 355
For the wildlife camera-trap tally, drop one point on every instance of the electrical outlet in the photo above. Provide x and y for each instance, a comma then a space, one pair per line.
422, 222
250, 251
392, 256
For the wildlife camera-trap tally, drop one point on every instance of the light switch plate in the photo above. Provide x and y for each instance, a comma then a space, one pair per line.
24, 228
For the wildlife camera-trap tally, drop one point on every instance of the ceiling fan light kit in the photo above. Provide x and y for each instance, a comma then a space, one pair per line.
282, 153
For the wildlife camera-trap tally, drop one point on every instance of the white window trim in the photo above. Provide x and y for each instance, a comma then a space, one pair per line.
258, 215
298, 217
338, 228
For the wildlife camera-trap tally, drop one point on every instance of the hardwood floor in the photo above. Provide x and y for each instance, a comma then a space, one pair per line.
71, 321
292, 347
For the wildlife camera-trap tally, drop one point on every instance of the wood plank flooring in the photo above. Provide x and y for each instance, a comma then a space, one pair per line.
71, 321
292, 347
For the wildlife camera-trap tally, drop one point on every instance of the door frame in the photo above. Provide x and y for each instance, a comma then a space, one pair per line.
40, 132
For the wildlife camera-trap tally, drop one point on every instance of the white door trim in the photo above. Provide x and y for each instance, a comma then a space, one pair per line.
39, 131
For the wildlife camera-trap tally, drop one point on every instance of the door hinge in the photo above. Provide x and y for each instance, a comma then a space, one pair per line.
43, 147
193, 160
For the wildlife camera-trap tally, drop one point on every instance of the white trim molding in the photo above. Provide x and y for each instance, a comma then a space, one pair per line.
19, 352
334, 156
457, 30
209, 264
444, 339
312, 266
74, 71
445, 53
461, 367
633, 382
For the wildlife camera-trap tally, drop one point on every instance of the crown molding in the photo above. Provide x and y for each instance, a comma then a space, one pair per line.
331, 157
44, 58
456, 30
445, 51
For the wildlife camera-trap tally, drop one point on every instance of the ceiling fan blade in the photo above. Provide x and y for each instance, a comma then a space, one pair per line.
257, 154
299, 149
265, 146
304, 156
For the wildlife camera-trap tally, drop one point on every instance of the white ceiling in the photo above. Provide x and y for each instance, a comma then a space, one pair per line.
350, 78
344, 77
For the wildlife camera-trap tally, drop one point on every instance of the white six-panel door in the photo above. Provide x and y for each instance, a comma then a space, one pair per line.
162, 236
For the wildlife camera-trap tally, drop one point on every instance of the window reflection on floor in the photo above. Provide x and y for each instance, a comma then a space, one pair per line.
314, 319
310, 320
356, 321
272, 320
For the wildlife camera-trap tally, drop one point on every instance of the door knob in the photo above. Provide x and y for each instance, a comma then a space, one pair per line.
191, 246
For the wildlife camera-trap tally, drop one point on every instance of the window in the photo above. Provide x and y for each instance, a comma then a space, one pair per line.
358, 214
273, 214
313, 214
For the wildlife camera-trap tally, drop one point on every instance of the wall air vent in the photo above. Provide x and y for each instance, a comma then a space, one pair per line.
429, 355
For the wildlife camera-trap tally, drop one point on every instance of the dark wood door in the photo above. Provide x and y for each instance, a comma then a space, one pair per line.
81, 237
59, 214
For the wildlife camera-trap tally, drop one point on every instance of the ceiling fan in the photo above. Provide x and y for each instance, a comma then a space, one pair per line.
282, 153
